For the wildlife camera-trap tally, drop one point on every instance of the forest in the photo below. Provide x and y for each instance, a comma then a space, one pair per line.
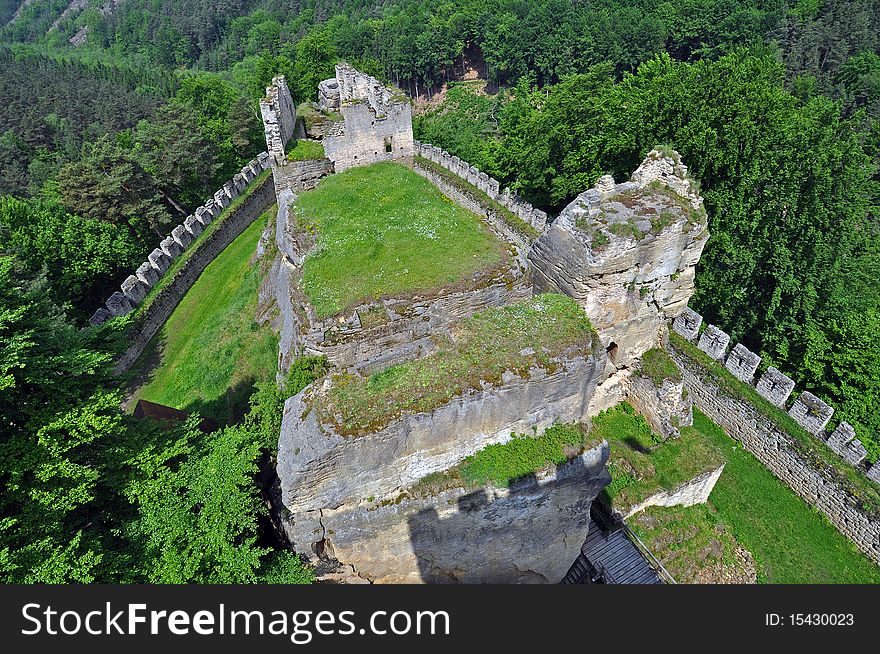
118, 118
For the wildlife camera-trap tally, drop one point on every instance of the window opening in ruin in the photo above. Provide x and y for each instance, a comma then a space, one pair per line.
612, 351
388, 144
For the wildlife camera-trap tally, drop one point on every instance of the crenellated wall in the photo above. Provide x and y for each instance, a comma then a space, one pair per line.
818, 485
150, 320
488, 185
809, 411
136, 286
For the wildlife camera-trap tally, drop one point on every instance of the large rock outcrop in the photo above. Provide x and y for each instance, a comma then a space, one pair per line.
627, 253
529, 533
320, 469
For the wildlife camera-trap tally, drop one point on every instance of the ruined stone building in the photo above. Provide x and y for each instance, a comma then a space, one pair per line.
376, 121
626, 252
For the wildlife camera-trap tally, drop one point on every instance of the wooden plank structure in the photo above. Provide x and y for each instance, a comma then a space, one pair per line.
610, 558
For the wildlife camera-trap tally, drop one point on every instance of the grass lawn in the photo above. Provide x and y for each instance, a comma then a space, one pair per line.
790, 540
517, 337
210, 350
383, 230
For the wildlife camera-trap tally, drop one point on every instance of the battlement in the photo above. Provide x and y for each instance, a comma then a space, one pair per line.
488, 185
137, 285
809, 411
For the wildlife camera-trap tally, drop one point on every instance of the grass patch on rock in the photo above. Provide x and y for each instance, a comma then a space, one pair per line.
501, 463
532, 333
305, 151
641, 462
658, 366
383, 230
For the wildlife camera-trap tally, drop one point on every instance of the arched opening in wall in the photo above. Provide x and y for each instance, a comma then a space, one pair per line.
388, 144
612, 351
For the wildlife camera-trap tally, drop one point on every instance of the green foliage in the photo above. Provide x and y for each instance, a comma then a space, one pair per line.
305, 151
176, 153
658, 366
83, 259
464, 124
197, 521
227, 118
314, 62
501, 463
514, 339
109, 184
383, 230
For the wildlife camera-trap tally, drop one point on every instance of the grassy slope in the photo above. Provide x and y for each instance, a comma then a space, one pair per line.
211, 350
790, 540
384, 230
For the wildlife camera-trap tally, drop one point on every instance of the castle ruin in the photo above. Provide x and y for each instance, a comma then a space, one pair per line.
625, 252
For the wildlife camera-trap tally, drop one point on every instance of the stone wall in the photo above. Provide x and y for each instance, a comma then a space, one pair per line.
151, 319
300, 176
529, 533
279, 119
809, 411
376, 125
664, 407
695, 491
780, 453
488, 185
475, 204
137, 285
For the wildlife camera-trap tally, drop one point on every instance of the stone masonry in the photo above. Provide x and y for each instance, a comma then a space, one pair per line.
775, 387
377, 120
811, 413
688, 323
714, 342
777, 450
742, 363
482, 182
279, 118
136, 286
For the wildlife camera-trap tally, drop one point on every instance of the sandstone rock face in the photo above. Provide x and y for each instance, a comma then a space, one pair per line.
664, 407
320, 469
529, 533
627, 253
